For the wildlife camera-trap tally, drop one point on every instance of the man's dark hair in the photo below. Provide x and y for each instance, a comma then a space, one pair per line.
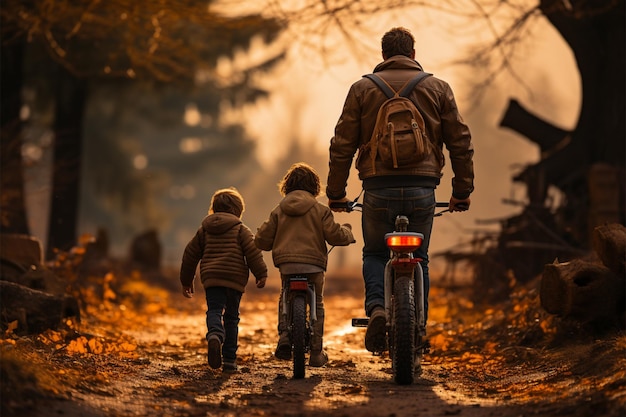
300, 176
398, 41
227, 200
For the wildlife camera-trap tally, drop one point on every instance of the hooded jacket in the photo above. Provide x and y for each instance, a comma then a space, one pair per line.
225, 248
298, 230
444, 126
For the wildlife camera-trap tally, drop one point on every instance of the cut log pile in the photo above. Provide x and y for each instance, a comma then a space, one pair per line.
35, 297
32, 298
589, 290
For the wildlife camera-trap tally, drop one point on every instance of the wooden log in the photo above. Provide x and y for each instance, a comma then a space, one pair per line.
34, 310
609, 243
552, 292
595, 295
581, 290
18, 255
21, 262
20, 259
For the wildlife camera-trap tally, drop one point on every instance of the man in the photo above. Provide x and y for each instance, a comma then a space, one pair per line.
393, 191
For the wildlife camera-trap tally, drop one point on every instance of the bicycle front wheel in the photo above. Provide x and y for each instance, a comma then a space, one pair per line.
298, 334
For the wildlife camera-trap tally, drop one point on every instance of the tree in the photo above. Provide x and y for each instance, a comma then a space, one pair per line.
12, 206
165, 42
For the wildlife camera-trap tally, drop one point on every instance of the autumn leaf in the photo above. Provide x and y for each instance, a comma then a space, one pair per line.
490, 348
440, 342
95, 346
78, 345
12, 326
127, 347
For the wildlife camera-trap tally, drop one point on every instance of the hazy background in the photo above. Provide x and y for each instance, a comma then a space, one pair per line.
295, 124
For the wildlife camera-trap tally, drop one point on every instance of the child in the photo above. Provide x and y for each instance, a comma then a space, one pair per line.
225, 248
296, 233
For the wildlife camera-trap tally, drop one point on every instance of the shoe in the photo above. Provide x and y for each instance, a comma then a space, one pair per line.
318, 359
215, 352
376, 334
230, 365
283, 351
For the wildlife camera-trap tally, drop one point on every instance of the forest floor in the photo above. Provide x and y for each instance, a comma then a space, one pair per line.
139, 350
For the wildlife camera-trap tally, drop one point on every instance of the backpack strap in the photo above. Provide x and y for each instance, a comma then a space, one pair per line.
382, 84
406, 88
410, 85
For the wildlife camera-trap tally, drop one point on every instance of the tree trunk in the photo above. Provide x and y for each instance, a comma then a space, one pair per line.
13, 215
595, 32
70, 107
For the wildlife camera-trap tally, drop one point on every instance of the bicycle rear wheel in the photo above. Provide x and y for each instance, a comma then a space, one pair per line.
403, 326
298, 334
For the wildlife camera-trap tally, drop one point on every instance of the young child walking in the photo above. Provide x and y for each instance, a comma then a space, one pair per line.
225, 248
297, 232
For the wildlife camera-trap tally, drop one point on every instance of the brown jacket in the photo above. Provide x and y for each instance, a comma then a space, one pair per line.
225, 248
298, 229
444, 126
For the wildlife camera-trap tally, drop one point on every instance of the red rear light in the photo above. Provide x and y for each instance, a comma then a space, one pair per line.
298, 285
404, 242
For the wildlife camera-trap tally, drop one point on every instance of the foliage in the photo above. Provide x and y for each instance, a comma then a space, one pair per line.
165, 40
143, 62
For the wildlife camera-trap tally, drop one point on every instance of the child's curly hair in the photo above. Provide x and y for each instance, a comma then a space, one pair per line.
300, 176
227, 200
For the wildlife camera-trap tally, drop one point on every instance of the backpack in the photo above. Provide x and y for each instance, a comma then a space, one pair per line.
399, 135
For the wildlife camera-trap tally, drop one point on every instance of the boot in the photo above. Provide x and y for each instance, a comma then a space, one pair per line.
230, 365
376, 334
215, 351
283, 350
318, 358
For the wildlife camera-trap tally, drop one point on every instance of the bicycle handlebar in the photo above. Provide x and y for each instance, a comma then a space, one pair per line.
346, 205
349, 206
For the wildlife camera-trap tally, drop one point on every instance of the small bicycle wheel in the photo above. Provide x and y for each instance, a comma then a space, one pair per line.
298, 334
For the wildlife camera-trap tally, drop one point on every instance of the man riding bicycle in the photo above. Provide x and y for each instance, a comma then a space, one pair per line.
402, 190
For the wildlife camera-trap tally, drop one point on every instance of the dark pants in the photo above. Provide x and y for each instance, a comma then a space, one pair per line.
380, 208
222, 318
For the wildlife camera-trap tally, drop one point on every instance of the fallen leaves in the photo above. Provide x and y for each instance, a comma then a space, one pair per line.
500, 352
83, 345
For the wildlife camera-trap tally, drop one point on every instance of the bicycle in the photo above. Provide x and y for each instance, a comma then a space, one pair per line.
404, 297
299, 306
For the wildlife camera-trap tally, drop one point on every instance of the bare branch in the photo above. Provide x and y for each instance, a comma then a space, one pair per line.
165, 40
507, 21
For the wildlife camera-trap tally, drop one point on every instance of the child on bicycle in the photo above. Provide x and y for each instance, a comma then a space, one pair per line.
297, 232
225, 248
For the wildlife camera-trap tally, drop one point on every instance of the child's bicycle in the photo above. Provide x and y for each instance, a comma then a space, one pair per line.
299, 306
404, 297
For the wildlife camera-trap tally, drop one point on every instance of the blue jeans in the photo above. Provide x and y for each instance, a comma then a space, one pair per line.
222, 318
380, 208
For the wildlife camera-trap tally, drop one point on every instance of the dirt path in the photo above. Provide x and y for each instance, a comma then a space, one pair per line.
167, 374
